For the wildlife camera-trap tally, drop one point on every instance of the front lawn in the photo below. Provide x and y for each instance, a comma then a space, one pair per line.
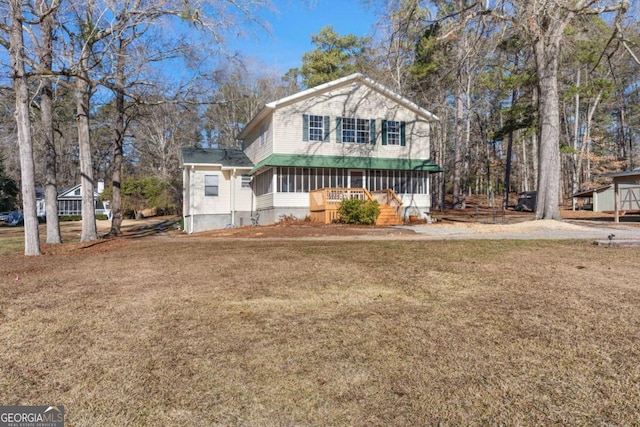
203, 331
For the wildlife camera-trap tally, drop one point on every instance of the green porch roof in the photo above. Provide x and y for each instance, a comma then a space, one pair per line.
346, 162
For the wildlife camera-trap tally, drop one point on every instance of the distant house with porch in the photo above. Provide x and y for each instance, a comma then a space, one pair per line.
303, 154
70, 201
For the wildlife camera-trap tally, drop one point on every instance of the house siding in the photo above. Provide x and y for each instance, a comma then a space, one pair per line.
254, 147
209, 212
357, 101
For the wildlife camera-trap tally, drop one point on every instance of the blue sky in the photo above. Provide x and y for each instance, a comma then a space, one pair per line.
294, 24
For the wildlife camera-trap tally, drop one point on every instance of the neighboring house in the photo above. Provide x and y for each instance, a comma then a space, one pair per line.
351, 133
70, 202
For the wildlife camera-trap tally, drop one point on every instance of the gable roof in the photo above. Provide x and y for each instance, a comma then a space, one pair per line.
225, 158
335, 84
69, 193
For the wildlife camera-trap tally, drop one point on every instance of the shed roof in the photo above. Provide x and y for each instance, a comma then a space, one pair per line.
618, 176
589, 193
215, 156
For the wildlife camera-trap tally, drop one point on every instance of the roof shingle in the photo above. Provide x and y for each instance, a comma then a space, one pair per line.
215, 156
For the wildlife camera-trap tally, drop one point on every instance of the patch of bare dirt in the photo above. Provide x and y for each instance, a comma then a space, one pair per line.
304, 229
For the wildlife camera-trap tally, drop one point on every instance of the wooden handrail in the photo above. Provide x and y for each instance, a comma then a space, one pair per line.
369, 196
323, 203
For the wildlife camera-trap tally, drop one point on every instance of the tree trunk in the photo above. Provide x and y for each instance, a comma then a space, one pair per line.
46, 107
535, 161
586, 141
119, 129
83, 96
507, 169
525, 167
458, 195
575, 169
546, 54
27, 165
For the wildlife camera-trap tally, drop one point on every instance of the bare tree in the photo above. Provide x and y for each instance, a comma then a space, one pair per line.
95, 35
46, 13
27, 166
544, 23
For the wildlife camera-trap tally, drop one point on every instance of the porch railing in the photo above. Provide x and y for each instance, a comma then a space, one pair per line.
390, 198
324, 203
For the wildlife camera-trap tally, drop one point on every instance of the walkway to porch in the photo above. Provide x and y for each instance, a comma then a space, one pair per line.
324, 203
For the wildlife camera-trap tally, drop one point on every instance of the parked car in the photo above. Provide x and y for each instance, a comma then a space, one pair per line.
15, 218
526, 201
4, 216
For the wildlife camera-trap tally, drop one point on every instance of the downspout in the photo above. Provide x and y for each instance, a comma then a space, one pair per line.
233, 198
191, 205
185, 199
616, 201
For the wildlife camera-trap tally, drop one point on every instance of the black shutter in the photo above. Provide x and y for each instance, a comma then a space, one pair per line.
372, 131
327, 128
384, 132
305, 127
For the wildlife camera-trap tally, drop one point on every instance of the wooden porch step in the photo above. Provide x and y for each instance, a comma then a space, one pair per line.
387, 216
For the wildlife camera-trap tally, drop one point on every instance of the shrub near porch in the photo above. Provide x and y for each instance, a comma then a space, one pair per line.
357, 211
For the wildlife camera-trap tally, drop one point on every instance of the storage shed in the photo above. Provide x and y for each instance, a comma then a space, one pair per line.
626, 187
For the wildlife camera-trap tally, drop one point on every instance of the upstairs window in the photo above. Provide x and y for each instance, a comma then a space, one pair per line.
363, 131
393, 133
315, 128
349, 129
211, 185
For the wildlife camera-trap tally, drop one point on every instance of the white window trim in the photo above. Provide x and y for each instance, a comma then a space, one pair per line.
212, 186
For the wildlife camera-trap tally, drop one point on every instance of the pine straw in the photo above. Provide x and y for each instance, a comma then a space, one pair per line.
203, 332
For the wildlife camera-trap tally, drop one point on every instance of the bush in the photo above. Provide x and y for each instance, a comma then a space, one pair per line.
101, 217
66, 218
356, 211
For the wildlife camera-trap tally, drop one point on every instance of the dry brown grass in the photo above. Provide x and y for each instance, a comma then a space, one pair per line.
205, 331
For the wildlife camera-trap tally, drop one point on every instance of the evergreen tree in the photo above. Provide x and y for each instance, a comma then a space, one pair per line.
8, 190
335, 56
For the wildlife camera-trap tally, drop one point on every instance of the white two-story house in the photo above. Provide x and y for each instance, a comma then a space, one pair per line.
351, 133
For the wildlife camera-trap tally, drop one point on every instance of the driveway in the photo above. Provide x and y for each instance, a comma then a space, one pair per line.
546, 229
